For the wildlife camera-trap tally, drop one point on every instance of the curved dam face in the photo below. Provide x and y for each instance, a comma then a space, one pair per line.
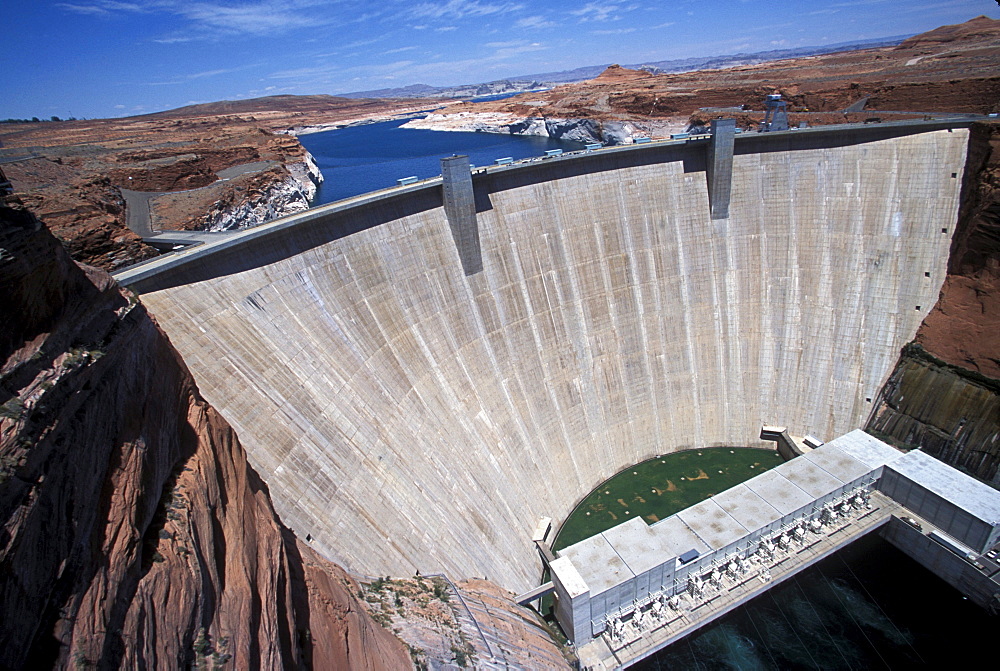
409, 417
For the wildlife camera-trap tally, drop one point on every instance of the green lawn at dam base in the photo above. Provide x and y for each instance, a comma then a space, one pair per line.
659, 487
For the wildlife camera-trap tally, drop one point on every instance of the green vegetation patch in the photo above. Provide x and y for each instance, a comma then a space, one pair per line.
659, 487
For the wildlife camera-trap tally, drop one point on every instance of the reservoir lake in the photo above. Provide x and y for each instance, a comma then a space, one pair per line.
369, 157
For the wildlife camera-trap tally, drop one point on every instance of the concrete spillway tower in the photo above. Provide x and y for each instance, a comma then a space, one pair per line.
460, 208
775, 113
720, 167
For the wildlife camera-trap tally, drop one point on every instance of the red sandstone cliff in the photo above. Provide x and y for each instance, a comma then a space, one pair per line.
134, 533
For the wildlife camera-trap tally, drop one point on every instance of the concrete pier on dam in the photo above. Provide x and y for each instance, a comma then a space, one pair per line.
409, 412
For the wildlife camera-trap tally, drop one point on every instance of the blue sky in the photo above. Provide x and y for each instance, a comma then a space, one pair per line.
103, 58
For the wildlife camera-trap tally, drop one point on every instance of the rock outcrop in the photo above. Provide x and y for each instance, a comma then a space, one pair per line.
607, 132
964, 327
270, 194
71, 174
134, 533
472, 623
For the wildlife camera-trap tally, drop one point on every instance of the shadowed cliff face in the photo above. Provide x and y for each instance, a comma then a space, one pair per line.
133, 530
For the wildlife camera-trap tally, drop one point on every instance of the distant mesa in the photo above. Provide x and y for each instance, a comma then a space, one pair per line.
981, 27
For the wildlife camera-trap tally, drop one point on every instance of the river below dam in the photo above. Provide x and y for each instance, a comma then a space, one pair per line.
868, 606
368, 157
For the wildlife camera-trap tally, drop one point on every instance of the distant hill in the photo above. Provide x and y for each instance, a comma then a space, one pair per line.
548, 79
981, 27
285, 103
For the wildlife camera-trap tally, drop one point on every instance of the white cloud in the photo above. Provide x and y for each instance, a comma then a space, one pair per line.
534, 22
459, 9
260, 18
182, 79
174, 39
602, 11
506, 52
101, 7
210, 18
618, 31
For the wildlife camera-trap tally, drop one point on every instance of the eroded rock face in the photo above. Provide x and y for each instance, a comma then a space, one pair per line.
134, 533
269, 195
472, 623
72, 174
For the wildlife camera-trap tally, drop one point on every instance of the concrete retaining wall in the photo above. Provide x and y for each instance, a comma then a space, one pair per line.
408, 416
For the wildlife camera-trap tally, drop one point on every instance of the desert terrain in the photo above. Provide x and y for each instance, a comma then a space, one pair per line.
952, 69
72, 174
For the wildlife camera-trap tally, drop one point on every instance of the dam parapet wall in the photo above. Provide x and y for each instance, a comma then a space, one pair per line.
409, 416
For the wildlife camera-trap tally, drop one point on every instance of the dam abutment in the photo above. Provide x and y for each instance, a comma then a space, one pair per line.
411, 416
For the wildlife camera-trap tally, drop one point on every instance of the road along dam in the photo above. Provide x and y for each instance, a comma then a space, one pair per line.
417, 396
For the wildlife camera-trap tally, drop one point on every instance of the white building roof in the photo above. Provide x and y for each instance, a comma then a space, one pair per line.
810, 478
597, 562
866, 448
780, 492
956, 487
713, 524
747, 507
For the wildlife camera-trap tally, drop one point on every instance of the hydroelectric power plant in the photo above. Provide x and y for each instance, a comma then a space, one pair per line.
420, 374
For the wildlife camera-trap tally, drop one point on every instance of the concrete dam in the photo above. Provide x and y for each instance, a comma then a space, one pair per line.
412, 412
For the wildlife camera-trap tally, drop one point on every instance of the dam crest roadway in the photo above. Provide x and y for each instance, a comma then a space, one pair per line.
411, 410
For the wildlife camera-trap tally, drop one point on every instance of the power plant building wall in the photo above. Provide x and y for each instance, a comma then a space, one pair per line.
609, 572
964, 508
408, 416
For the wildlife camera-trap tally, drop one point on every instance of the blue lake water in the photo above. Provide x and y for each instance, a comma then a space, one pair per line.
359, 159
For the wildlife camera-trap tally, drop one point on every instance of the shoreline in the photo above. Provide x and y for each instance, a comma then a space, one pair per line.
296, 131
605, 131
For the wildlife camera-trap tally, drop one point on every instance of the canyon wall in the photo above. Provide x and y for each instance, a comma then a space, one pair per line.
408, 417
134, 533
942, 410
